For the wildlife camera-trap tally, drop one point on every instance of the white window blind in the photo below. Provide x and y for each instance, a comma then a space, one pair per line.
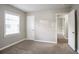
12, 24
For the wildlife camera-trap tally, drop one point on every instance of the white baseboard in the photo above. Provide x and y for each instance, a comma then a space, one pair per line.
28, 39
45, 41
11, 44
42, 41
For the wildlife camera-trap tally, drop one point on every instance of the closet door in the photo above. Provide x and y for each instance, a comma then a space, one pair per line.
30, 27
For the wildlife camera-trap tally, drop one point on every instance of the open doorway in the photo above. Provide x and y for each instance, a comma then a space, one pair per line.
67, 29
62, 28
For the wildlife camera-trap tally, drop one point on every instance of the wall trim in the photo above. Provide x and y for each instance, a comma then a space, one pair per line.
28, 39
43, 41
11, 44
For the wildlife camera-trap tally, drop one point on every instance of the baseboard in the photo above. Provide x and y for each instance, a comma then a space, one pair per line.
45, 41
11, 44
42, 41
28, 39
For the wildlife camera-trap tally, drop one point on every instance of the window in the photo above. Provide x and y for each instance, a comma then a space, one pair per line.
11, 24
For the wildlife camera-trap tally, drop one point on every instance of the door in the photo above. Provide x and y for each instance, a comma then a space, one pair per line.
30, 27
71, 29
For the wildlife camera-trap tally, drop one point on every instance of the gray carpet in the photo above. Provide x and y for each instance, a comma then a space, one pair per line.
34, 47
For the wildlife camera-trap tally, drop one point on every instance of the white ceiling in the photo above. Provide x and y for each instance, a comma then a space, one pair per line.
38, 7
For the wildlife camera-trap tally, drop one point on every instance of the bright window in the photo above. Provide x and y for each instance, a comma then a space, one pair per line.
11, 24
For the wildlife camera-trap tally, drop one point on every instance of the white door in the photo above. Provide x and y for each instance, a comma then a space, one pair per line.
30, 27
71, 29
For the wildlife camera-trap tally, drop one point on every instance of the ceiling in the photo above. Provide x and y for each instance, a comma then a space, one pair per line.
38, 7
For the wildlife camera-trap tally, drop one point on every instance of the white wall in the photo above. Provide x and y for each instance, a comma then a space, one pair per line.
4, 41
45, 25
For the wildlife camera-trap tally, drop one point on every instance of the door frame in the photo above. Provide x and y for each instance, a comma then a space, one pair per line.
76, 34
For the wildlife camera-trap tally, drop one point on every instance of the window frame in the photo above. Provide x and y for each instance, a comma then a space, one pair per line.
12, 13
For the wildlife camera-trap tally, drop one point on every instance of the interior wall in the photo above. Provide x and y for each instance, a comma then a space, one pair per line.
45, 26
4, 41
44, 31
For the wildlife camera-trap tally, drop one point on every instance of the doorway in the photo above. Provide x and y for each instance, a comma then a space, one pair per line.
67, 29
62, 28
